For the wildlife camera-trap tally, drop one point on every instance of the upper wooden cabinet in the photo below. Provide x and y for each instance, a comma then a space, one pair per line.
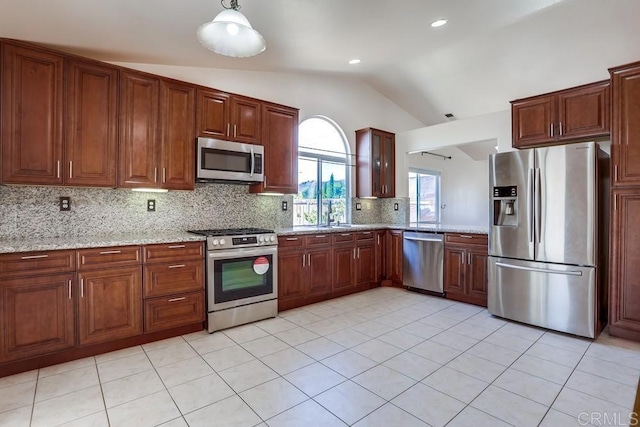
625, 147
221, 115
375, 163
280, 140
32, 112
569, 115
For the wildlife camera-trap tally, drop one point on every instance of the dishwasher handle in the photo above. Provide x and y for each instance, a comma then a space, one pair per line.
434, 238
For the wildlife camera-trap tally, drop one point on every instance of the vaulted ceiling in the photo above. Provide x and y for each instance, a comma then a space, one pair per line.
490, 52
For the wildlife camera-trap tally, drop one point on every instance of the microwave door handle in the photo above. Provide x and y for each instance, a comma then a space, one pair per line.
253, 161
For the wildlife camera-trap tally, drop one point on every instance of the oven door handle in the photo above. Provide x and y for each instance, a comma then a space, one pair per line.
245, 252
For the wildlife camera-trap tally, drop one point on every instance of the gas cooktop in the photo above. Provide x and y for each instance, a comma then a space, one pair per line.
231, 232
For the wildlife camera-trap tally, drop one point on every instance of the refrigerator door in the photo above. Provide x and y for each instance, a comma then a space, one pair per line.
559, 297
565, 204
515, 240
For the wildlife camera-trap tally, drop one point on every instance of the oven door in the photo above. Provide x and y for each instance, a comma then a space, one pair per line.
241, 276
229, 161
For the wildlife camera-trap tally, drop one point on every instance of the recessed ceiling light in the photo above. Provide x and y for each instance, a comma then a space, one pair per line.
354, 61
438, 23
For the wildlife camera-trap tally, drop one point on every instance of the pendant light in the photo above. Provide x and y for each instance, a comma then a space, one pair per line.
231, 34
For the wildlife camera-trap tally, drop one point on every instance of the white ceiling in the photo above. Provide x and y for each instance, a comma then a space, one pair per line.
490, 52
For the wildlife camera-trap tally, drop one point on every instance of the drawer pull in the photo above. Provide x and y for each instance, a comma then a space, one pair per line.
465, 236
346, 234
292, 239
177, 299
110, 252
320, 236
69, 284
366, 232
176, 246
34, 256
176, 266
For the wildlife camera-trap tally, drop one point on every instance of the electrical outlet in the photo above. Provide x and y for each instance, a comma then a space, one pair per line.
65, 204
358, 206
151, 205
396, 207
285, 205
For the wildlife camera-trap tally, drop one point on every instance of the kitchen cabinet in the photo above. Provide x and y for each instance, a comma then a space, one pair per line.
380, 240
221, 115
31, 105
354, 260
569, 115
343, 267
91, 124
465, 267
394, 256
280, 140
375, 163
625, 143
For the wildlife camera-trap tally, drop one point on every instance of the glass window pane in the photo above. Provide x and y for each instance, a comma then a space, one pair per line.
305, 204
334, 190
318, 136
424, 196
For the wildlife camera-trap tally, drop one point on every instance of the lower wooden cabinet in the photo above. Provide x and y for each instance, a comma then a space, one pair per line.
394, 255
110, 304
365, 264
319, 271
37, 315
343, 267
465, 268
303, 274
172, 311
380, 239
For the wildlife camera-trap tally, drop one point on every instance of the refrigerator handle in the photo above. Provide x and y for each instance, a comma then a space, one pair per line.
530, 209
538, 203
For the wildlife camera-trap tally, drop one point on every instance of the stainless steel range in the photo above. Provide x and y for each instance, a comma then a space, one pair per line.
242, 276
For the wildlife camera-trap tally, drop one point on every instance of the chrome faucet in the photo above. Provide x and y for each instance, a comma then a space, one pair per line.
329, 215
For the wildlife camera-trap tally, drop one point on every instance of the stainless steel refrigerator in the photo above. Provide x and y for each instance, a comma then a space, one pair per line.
548, 240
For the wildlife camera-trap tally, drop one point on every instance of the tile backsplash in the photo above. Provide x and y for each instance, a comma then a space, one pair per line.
33, 212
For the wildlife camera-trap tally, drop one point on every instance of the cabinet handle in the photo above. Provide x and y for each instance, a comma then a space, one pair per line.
468, 258
58, 168
378, 240
70, 168
366, 232
291, 239
110, 252
177, 299
354, 253
615, 202
308, 260
615, 173
346, 234
176, 266
551, 130
81, 288
69, 285
176, 246
464, 258
164, 175
228, 126
304, 261
234, 131
34, 256
320, 236
155, 174
465, 236
560, 124
358, 249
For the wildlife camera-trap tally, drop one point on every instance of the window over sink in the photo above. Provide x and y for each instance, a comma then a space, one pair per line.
424, 195
323, 173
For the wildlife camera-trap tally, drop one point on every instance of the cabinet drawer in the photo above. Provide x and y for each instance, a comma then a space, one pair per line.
169, 279
318, 240
364, 236
467, 239
108, 257
290, 242
339, 238
173, 311
173, 251
30, 263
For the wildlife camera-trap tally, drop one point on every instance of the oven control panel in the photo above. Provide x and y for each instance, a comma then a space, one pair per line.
243, 241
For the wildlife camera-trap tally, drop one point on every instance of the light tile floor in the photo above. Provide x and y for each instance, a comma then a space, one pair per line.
385, 357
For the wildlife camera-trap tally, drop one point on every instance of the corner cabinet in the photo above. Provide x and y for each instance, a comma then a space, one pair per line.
624, 296
280, 140
566, 116
375, 163
465, 267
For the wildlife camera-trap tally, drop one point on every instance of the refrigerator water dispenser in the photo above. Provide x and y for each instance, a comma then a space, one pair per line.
505, 206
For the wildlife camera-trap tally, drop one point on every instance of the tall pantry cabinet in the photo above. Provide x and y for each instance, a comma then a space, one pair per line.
624, 313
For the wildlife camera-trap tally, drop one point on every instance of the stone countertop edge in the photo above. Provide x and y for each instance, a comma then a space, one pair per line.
434, 228
82, 242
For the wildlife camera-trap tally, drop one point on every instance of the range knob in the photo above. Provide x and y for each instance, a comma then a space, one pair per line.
272, 238
260, 239
222, 241
215, 242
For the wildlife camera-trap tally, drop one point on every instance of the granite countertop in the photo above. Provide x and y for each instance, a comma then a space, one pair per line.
48, 244
435, 228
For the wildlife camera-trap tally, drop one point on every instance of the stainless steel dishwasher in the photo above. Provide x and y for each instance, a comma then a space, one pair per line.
422, 261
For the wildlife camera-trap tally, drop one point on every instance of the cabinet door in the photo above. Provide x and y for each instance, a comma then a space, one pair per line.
388, 165
394, 255
365, 264
319, 272
343, 267
280, 140
91, 117
584, 112
213, 119
138, 137
245, 120
110, 304
476, 275
376, 164
624, 313
291, 275
455, 259
533, 121
178, 140
31, 113
380, 255
625, 148
37, 316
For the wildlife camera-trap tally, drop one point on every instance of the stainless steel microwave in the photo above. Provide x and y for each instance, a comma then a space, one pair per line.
229, 161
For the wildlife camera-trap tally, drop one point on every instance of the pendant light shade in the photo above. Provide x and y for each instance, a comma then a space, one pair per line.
231, 34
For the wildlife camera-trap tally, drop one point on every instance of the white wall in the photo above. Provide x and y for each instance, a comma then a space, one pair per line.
464, 189
494, 126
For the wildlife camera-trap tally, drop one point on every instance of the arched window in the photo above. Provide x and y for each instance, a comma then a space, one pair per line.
323, 173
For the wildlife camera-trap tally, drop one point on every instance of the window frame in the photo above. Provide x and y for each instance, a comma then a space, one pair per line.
438, 190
